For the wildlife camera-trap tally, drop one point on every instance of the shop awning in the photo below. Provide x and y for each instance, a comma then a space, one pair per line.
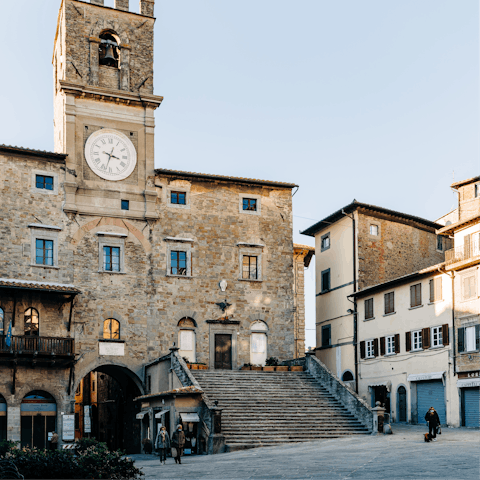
141, 415
386, 383
18, 284
468, 382
418, 377
160, 414
189, 417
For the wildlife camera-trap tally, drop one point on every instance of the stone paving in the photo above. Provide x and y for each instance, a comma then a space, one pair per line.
404, 455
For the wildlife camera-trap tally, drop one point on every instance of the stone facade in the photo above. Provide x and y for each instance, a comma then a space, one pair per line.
77, 296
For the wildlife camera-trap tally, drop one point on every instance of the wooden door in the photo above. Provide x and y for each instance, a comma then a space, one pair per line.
402, 404
223, 352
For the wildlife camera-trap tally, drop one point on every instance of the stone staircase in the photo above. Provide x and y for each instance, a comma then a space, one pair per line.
269, 408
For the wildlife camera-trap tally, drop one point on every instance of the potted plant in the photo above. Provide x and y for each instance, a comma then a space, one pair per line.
147, 445
247, 366
270, 364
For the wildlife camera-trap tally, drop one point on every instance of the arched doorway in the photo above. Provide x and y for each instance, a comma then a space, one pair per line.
38, 413
3, 419
186, 338
402, 404
258, 343
105, 410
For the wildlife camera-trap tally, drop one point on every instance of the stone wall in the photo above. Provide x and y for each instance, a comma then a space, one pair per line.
400, 248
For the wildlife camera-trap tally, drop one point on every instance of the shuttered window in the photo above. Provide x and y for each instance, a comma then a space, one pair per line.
389, 303
326, 335
416, 295
326, 280
369, 308
435, 289
469, 339
437, 339
468, 287
416, 339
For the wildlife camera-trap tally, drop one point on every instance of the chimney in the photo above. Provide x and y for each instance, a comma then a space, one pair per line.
147, 7
122, 5
97, 2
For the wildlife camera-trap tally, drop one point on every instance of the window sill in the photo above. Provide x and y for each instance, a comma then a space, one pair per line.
249, 212
179, 205
417, 306
368, 319
111, 340
416, 350
389, 354
433, 347
369, 358
436, 301
249, 280
388, 314
111, 273
179, 276
54, 267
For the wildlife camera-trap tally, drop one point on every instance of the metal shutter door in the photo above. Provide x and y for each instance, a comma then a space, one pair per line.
431, 394
472, 407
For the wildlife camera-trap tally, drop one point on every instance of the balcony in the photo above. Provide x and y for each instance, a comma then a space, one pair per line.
40, 348
464, 255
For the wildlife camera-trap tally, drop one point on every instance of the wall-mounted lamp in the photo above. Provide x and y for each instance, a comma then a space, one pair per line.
350, 311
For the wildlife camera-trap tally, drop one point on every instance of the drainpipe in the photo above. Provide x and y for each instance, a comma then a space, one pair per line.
454, 336
355, 323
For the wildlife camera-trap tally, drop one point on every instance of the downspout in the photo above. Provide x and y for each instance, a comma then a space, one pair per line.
355, 326
454, 336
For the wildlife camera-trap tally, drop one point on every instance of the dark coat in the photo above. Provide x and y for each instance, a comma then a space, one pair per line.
160, 443
432, 418
178, 439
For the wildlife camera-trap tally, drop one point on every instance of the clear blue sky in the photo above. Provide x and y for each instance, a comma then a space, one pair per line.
374, 100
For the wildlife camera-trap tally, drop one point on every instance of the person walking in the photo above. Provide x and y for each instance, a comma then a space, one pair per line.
162, 443
433, 421
178, 441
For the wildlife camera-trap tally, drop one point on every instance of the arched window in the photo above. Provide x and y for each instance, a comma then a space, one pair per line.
2, 320
38, 413
258, 343
30, 322
108, 50
347, 376
186, 338
111, 329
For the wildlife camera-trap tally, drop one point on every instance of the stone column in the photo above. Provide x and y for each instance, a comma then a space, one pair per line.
147, 7
378, 413
94, 59
121, 5
13, 424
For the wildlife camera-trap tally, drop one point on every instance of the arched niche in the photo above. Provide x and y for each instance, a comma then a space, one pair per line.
187, 338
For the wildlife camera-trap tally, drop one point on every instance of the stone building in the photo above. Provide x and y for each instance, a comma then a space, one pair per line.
107, 261
462, 264
357, 247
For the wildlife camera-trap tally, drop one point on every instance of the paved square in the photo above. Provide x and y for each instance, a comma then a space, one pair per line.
404, 455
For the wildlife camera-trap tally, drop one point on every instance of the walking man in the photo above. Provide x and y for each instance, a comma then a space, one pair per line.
433, 421
178, 441
162, 443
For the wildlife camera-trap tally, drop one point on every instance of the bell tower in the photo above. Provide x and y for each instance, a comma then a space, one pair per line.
103, 95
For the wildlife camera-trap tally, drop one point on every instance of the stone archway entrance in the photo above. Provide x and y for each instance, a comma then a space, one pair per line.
104, 408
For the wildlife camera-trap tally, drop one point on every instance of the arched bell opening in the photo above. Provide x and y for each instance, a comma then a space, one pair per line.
109, 49
105, 410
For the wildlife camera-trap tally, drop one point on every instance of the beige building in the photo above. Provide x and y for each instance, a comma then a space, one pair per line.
463, 262
406, 346
108, 262
356, 247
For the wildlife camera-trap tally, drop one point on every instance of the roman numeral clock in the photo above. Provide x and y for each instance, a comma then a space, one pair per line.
110, 154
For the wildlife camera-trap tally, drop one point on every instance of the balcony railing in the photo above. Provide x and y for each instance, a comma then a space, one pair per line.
32, 345
469, 251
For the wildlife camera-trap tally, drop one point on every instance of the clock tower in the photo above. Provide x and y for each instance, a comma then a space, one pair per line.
104, 107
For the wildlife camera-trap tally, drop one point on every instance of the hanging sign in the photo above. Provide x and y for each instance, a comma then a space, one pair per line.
68, 428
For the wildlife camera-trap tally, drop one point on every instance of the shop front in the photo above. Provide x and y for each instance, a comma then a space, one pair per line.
469, 386
428, 390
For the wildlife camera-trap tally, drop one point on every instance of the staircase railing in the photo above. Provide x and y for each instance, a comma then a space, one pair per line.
349, 399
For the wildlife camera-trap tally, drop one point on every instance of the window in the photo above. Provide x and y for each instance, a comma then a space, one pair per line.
368, 308
347, 376
416, 295
44, 182
437, 337
390, 345
469, 339
370, 349
326, 335
2, 320
468, 286
31, 322
389, 299
111, 259
435, 289
477, 190
178, 262
439, 243
149, 384
43, 252
108, 50
374, 230
125, 205
178, 198
250, 204
325, 242
325, 280
417, 340
111, 329
250, 268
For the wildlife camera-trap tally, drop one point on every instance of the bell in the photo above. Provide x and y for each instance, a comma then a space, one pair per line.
109, 58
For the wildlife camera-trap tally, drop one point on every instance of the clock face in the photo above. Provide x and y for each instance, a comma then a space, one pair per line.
110, 154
